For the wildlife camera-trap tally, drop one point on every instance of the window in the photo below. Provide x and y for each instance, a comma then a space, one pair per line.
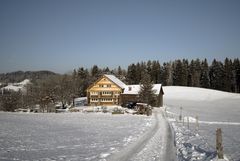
106, 93
106, 99
94, 100
93, 93
105, 85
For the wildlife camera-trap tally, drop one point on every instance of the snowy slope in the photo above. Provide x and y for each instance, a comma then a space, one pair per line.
215, 109
209, 105
196, 94
17, 86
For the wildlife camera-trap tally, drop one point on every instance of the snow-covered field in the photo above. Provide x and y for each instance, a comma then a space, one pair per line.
215, 109
67, 136
85, 137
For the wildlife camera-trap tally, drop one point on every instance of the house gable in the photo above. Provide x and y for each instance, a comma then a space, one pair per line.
105, 91
104, 84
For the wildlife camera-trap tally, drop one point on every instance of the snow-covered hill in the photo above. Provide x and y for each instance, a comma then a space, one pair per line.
210, 105
17, 86
196, 94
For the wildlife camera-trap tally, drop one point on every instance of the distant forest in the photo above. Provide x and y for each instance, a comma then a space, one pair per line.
224, 76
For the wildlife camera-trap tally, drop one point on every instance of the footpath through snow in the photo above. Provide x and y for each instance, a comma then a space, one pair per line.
155, 144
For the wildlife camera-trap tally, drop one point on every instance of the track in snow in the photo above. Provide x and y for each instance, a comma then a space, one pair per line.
155, 144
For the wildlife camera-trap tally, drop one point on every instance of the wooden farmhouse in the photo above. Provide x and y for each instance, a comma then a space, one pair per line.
109, 90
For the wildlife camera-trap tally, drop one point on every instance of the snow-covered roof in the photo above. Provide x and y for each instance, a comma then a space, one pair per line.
116, 80
134, 89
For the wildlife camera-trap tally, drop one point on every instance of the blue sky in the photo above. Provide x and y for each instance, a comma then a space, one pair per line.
62, 35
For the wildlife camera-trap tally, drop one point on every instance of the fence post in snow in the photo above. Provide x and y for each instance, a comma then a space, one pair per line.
197, 125
219, 146
180, 116
183, 120
188, 122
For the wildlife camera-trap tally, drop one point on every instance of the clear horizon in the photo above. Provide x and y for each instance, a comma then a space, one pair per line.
63, 35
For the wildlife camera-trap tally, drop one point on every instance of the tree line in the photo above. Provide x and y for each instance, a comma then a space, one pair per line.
54, 88
224, 76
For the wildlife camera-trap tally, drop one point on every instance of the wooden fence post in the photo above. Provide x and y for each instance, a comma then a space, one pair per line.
180, 116
188, 122
197, 125
219, 146
183, 120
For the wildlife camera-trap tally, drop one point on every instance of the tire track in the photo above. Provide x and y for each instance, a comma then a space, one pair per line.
155, 144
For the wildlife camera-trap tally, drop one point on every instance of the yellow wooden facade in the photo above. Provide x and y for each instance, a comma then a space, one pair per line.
104, 92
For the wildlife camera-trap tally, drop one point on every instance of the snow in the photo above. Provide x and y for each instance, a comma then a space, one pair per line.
80, 99
68, 136
116, 80
24, 82
13, 87
17, 86
215, 109
193, 120
196, 94
134, 89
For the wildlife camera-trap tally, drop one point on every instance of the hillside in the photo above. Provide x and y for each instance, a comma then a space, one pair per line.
196, 94
19, 76
206, 103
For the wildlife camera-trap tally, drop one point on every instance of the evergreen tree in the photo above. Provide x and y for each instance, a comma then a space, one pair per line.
167, 79
95, 72
149, 67
106, 70
146, 93
119, 71
195, 73
236, 75
156, 72
216, 75
132, 74
179, 73
228, 75
83, 80
185, 72
204, 79
138, 73
121, 74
